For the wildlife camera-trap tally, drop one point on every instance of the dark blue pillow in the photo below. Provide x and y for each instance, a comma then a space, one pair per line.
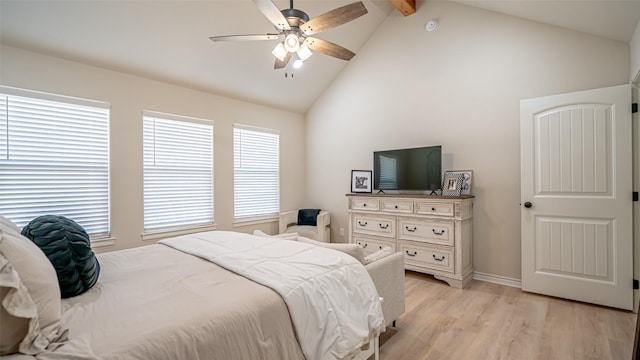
68, 247
308, 217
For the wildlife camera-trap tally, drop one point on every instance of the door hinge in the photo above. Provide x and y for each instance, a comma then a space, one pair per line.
635, 196
634, 108
636, 284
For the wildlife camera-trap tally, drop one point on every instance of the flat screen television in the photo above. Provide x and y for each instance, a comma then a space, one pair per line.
416, 169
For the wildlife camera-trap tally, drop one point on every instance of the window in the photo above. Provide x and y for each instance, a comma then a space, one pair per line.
178, 172
54, 159
256, 177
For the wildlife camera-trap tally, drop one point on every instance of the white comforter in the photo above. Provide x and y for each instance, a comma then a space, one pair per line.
332, 301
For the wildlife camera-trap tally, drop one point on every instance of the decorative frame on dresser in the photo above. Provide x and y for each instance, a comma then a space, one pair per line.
433, 232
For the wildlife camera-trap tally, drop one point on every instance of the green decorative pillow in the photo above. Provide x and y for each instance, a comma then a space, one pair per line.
68, 248
308, 217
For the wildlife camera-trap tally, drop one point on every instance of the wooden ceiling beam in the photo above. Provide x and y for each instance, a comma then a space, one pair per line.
406, 7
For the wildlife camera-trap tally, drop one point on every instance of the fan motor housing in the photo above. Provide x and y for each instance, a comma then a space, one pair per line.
295, 17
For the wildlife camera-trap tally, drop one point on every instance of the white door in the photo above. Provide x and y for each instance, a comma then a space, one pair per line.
576, 195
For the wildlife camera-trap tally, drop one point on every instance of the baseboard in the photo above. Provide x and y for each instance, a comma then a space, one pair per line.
496, 279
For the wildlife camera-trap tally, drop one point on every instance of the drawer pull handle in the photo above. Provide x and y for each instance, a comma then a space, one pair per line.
411, 230
365, 205
386, 226
396, 206
380, 247
433, 209
438, 233
362, 224
410, 254
363, 246
438, 259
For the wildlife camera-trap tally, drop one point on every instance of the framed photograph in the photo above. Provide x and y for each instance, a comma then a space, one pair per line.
361, 181
452, 184
467, 176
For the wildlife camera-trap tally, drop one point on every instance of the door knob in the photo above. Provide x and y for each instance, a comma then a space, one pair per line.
528, 204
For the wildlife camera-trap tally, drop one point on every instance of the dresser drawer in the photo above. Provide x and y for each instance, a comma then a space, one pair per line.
364, 204
424, 230
372, 245
434, 208
374, 225
397, 206
436, 258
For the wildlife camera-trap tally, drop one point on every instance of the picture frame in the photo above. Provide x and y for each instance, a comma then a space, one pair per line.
467, 177
361, 181
452, 184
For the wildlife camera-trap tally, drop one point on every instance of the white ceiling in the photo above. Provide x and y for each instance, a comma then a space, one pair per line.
612, 19
168, 40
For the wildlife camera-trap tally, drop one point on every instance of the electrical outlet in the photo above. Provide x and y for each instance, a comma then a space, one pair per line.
341, 231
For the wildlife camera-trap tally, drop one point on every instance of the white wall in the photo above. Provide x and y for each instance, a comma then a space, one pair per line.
460, 87
635, 55
128, 96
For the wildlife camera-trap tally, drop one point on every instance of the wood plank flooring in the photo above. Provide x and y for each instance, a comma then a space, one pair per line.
486, 321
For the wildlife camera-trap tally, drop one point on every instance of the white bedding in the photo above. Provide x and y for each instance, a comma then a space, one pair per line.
332, 301
158, 303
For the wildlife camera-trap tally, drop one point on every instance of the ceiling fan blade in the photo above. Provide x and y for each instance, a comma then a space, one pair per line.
271, 11
333, 18
245, 37
282, 64
329, 48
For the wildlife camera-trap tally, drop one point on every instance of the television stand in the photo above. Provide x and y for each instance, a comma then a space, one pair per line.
434, 193
433, 232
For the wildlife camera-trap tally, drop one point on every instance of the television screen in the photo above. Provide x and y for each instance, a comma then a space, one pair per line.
417, 169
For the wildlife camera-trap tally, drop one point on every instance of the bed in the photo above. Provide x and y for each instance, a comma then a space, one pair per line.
201, 296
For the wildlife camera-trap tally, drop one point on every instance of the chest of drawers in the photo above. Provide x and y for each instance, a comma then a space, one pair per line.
433, 232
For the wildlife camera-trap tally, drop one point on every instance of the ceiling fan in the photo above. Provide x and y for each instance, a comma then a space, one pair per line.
295, 29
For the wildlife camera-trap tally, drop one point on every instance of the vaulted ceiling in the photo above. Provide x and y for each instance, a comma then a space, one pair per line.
169, 40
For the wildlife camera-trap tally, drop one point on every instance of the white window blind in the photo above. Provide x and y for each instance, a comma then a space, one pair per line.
256, 176
54, 159
178, 172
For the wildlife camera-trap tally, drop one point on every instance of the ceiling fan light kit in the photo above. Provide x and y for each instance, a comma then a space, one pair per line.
291, 42
295, 29
279, 51
303, 52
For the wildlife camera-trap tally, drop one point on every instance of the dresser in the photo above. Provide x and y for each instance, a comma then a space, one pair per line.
433, 232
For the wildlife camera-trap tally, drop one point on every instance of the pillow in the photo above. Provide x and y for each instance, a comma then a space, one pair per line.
31, 281
355, 250
286, 236
16, 309
68, 247
382, 253
308, 217
8, 224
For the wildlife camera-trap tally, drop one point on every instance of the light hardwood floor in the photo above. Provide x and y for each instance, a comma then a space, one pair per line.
486, 321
